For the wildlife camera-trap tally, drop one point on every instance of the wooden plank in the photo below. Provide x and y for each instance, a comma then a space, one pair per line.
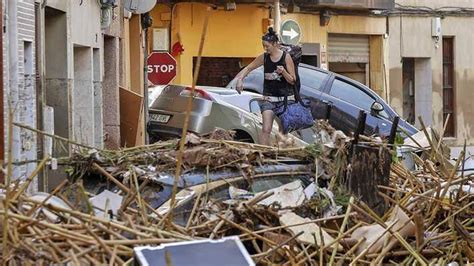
130, 111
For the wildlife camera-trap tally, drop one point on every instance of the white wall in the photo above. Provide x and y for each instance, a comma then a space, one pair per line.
410, 36
19, 82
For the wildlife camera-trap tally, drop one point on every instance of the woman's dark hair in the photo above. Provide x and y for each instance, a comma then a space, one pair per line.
270, 36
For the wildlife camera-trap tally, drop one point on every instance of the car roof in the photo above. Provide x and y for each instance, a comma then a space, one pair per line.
315, 68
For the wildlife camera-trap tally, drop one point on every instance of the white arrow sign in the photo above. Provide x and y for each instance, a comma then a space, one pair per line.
291, 33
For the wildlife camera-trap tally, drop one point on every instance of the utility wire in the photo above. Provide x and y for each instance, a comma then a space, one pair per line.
429, 11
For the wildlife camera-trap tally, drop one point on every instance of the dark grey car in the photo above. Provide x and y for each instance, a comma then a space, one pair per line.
338, 98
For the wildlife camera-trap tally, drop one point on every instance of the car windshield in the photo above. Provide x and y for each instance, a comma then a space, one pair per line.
256, 73
220, 193
354, 95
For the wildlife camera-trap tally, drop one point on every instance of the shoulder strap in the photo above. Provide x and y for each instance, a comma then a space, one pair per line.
283, 58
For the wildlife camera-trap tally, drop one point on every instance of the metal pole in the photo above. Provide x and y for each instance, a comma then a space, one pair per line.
145, 78
2, 128
276, 16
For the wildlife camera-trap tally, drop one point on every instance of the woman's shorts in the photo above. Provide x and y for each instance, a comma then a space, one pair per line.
266, 105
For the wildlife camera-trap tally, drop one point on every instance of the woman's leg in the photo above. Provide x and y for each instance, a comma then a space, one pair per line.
267, 117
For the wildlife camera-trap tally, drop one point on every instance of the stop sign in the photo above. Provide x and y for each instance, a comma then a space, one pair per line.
161, 68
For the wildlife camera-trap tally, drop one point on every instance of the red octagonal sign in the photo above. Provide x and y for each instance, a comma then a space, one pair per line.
161, 68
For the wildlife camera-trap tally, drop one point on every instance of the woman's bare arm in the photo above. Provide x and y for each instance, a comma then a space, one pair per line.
242, 74
255, 63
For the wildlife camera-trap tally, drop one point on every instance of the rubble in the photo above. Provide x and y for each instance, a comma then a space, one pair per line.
308, 218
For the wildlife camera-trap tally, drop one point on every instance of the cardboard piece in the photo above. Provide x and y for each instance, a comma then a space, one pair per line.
106, 200
130, 113
290, 218
288, 195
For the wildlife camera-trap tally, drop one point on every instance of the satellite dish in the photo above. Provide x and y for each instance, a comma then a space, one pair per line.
139, 6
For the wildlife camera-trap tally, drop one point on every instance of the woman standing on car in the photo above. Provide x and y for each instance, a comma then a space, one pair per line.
279, 78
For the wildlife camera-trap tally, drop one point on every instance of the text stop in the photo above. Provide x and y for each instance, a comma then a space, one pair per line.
160, 68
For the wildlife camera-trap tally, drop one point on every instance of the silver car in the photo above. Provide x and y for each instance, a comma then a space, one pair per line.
213, 108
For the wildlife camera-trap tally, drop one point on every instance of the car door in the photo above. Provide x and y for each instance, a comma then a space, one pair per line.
312, 84
348, 100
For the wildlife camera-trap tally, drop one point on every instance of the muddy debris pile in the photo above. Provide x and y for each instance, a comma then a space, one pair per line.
287, 205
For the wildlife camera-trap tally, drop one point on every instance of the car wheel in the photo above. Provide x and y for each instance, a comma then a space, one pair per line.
243, 136
153, 138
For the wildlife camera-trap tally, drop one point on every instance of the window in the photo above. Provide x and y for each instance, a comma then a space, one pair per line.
311, 78
351, 94
448, 86
408, 77
28, 57
267, 183
354, 95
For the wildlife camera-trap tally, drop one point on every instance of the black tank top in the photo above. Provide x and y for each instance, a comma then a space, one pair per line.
275, 84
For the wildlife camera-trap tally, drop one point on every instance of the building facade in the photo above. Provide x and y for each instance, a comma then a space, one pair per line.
19, 89
351, 43
61, 69
80, 74
391, 46
431, 64
76, 68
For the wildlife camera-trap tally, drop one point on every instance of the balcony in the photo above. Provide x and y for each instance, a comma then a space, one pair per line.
310, 5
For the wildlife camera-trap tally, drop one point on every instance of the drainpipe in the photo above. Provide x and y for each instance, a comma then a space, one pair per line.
276, 16
146, 23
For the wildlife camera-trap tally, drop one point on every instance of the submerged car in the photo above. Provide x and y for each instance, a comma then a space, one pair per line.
339, 99
213, 107
215, 184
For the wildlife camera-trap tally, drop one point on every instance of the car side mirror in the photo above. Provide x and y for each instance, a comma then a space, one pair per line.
377, 107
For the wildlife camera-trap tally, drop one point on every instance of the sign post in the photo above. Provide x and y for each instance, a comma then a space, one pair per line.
290, 32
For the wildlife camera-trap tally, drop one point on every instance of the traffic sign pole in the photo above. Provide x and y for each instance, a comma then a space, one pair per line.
145, 92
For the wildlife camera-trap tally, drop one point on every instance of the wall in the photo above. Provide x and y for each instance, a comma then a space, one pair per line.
135, 66
437, 4
82, 105
86, 35
19, 86
237, 34
218, 72
112, 71
111, 111
136, 55
411, 37
61, 5
69, 28
73, 74
375, 27
423, 91
54, 72
85, 23
230, 34
247, 22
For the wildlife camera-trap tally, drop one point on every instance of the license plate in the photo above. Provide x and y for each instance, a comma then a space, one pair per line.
160, 118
